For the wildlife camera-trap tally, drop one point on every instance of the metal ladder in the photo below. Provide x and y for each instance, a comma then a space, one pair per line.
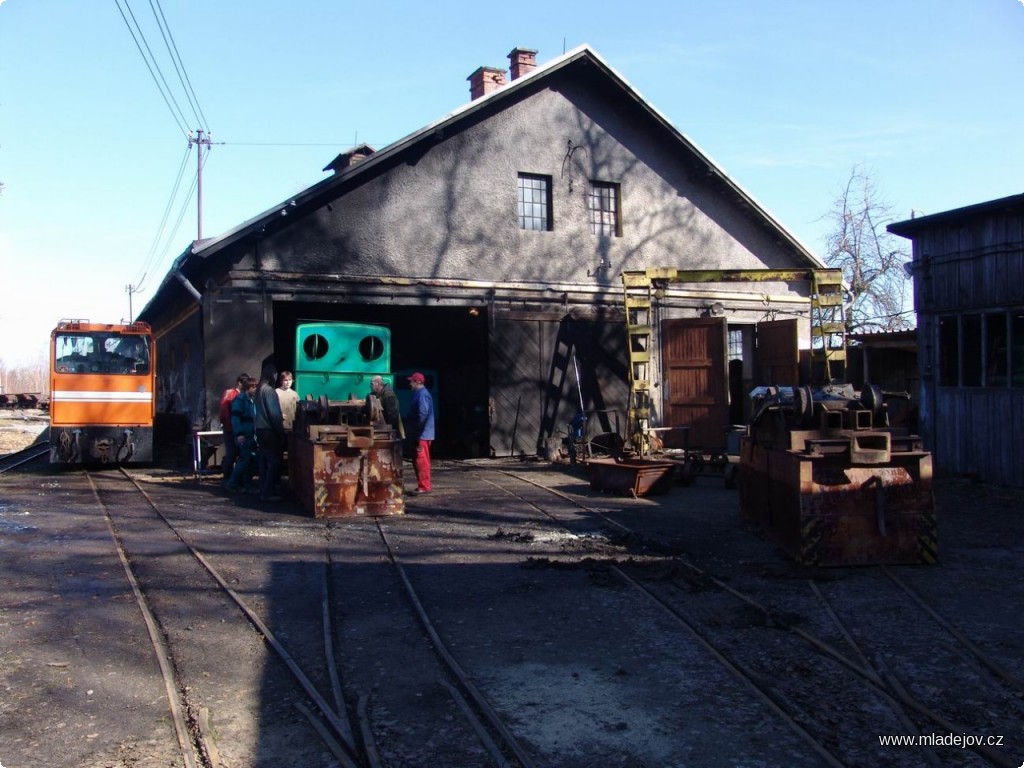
638, 292
828, 326
827, 320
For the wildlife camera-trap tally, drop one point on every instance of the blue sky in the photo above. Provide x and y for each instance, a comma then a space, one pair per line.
786, 96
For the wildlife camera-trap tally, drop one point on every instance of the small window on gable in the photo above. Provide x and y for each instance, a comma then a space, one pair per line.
603, 203
535, 202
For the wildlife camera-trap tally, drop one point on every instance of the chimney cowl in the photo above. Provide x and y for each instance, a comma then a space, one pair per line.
522, 61
350, 158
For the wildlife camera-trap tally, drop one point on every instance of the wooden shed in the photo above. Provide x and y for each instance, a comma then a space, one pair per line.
968, 273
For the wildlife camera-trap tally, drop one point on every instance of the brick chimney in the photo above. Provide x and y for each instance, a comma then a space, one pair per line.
522, 61
350, 158
485, 80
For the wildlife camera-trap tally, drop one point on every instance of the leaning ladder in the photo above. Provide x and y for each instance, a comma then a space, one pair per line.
637, 289
827, 320
828, 326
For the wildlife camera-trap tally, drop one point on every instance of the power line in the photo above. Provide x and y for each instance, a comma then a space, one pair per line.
177, 223
172, 50
281, 144
165, 91
147, 266
202, 134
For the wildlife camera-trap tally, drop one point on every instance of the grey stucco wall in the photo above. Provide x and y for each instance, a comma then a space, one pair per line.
237, 340
452, 214
180, 384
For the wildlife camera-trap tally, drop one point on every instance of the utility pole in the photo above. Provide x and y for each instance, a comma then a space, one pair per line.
200, 142
130, 289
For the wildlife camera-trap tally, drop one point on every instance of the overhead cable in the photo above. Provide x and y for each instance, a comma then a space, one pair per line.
179, 65
277, 144
146, 267
164, 89
181, 215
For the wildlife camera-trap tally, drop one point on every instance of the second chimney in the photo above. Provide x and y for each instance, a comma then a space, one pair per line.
523, 61
485, 80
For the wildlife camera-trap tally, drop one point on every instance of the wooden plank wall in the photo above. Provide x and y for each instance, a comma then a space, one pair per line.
972, 265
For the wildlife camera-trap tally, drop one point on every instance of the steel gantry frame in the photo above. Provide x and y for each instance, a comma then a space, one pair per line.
827, 317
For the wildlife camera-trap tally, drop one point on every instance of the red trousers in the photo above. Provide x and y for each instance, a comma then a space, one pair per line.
422, 465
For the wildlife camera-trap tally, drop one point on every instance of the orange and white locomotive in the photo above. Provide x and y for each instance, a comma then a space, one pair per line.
102, 393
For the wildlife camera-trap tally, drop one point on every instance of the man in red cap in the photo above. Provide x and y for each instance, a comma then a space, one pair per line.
419, 425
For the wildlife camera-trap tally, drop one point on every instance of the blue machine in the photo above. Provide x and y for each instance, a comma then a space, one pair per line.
336, 360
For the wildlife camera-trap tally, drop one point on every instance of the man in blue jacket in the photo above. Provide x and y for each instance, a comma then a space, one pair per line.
419, 427
243, 434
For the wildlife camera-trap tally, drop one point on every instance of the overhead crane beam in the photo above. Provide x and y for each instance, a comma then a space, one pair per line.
828, 325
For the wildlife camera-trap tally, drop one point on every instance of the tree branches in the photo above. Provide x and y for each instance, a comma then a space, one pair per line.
870, 257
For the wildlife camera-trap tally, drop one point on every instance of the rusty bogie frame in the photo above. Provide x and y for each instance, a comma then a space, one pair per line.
827, 478
345, 460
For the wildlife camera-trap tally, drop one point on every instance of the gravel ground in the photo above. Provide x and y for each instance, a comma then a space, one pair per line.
582, 669
19, 428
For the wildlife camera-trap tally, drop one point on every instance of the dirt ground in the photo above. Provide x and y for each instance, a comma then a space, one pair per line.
19, 428
584, 671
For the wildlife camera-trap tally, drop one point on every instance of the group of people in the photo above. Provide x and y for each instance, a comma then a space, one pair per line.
257, 414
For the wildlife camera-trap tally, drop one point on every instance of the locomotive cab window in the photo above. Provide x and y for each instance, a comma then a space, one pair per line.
101, 353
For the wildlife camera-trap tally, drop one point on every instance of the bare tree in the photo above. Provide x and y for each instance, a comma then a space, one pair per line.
27, 377
871, 258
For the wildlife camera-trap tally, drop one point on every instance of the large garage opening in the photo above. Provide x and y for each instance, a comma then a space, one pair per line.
449, 344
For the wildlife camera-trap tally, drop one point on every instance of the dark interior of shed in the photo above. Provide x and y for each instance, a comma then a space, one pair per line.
452, 342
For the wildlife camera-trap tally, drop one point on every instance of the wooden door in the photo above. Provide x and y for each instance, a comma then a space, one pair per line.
695, 384
777, 356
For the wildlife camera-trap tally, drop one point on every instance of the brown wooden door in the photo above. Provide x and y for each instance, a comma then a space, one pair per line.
777, 357
696, 390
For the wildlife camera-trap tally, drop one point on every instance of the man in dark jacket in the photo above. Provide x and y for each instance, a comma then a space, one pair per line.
243, 436
388, 404
269, 433
224, 414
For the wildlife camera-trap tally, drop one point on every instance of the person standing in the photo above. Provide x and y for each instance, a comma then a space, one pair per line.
420, 430
269, 433
243, 435
288, 397
388, 404
224, 414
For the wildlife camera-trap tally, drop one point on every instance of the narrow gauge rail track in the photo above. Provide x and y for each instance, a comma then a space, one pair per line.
328, 562
25, 456
190, 717
345, 730
829, 670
